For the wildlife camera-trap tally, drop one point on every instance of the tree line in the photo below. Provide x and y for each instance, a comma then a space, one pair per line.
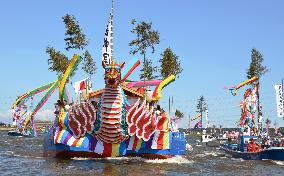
146, 38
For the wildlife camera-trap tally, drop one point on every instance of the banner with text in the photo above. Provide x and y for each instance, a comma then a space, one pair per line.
279, 100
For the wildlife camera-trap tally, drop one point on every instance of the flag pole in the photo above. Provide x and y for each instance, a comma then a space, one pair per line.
169, 106
282, 97
112, 26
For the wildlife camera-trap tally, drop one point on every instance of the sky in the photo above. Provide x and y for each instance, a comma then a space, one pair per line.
213, 40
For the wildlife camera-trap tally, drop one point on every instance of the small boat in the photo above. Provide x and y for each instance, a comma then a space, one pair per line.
18, 134
209, 140
14, 133
239, 151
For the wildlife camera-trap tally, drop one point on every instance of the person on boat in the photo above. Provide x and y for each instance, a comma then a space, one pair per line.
66, 106
224, 135
158, 110
246, 132
252, 146
282, 143
233, 134
56, 108
230, 136
95, 104
236, 134
265, 144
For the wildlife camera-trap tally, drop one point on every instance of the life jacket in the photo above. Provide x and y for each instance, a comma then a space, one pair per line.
252, 147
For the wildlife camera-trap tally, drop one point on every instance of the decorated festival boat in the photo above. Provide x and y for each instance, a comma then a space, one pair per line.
246, 147
118, 120
113, 126
240, 151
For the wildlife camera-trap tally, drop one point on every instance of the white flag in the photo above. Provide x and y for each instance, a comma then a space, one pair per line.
108, 41
279, 100
206, 115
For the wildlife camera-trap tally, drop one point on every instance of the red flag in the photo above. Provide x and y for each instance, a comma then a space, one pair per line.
82, 85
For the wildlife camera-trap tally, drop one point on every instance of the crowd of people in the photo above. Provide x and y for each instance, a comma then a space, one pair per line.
233, 135
256, 142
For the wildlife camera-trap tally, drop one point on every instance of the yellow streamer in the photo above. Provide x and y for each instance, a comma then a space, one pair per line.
157, 93
255, 78
67, 73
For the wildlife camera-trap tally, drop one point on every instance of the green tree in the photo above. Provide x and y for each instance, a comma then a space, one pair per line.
179, 114
75, 39
201, 106
170, 64
256, 67
89, 65
146, 38
150, 70
57, 62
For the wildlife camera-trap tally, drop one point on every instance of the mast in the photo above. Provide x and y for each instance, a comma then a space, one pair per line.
259, 113
201, 116
188, 122
282, 97
107, 50
112, 27
169, 106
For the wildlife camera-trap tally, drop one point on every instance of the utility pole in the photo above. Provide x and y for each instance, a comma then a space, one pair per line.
188, 123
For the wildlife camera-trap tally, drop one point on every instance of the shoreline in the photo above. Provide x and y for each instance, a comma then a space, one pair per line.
7, 128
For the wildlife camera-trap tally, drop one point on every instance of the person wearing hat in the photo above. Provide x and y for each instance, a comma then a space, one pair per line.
252, 146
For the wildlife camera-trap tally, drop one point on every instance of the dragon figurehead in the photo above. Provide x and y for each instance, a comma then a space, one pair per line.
112, 74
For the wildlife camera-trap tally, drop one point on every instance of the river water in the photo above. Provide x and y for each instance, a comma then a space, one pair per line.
24, 156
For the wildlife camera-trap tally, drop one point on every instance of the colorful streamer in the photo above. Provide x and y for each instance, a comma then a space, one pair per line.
129, 69
41, 103
144, 83
157, 92
234, 90
69, 99
23, 98
196, 117
198, 125
70, 69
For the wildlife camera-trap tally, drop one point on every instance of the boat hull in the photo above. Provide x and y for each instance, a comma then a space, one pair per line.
14, 133
274, 153
17, 134
177, 147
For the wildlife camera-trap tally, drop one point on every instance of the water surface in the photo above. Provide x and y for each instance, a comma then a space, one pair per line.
24, 156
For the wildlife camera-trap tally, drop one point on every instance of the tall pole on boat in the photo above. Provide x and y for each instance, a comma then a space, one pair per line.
169, 106
188, 123
259, 109
282, 96
201, 115
112, 27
